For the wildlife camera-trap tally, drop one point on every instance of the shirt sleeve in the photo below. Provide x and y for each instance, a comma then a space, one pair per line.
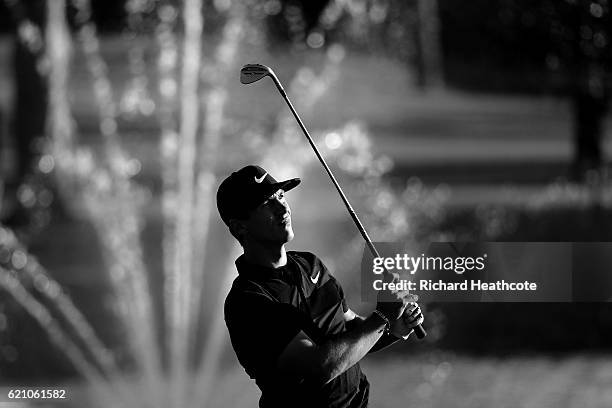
260, 329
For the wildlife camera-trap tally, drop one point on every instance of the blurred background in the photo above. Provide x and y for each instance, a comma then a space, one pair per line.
443, 120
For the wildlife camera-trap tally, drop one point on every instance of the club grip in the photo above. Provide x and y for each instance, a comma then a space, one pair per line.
420, 332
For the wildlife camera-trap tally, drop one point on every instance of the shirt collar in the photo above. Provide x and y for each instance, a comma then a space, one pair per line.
259, 272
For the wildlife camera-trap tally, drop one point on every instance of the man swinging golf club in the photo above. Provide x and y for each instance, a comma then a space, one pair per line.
251, 73
287, 317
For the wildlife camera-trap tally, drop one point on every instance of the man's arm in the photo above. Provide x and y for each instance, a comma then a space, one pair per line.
353, 321
304, 359
402, 328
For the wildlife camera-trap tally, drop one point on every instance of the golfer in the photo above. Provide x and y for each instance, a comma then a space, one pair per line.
287, 317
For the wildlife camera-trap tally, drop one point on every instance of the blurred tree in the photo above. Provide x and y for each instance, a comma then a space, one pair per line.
581, 32
428, 61
293, 20
30, 103
30, 87
406, 30
412, 34
542, 46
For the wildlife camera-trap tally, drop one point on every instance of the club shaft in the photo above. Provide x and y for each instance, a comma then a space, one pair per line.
419, 331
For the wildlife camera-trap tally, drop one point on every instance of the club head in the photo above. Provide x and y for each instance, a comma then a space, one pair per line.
254, 72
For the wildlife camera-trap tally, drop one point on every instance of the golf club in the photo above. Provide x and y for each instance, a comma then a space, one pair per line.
254, 72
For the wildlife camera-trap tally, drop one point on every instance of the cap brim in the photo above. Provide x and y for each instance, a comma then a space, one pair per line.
288, 184
272, 188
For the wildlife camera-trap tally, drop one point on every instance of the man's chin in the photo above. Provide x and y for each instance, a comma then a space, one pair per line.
290, 234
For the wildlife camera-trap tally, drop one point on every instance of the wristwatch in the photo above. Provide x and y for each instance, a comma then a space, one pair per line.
387, 322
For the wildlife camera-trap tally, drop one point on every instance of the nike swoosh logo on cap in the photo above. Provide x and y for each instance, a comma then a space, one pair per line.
259, 180
316, 278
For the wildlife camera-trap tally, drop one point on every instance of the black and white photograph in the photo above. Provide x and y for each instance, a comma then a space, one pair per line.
305, 203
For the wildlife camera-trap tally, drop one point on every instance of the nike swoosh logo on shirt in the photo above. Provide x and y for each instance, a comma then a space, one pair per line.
259, 180
316, 278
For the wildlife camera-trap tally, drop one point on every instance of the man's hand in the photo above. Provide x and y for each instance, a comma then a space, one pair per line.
411, 318
392, 304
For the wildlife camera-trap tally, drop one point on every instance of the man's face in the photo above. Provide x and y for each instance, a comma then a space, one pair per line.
271, 221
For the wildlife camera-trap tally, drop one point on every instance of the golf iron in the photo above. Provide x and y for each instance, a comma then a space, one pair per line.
254, 72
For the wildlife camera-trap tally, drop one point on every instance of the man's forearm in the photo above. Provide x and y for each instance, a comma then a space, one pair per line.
382, 343
341, 352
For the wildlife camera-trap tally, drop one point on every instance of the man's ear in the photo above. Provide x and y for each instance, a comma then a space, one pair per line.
237, 228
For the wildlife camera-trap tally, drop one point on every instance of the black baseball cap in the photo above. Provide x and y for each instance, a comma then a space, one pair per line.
245, 189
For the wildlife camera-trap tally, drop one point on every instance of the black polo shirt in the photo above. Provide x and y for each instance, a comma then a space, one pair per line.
266, 308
